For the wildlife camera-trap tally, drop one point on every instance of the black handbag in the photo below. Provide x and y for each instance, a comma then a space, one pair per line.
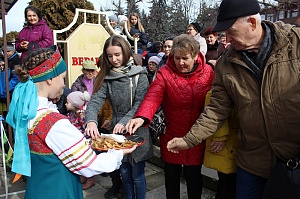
32, 46
157, 126
284, 181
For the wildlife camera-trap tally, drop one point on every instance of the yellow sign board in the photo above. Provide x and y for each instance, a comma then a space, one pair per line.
85, 43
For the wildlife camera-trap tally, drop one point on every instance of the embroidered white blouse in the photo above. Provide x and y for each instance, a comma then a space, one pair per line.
71, 147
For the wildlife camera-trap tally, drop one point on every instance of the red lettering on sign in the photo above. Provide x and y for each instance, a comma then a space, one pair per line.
80, 60
74, 61
77, 61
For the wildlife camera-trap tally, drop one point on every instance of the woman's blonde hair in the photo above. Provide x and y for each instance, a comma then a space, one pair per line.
139, 24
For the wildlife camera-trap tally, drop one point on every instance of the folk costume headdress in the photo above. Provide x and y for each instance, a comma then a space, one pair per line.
49, 69
24, 106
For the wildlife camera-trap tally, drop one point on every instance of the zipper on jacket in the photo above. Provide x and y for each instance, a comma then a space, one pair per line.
130, 87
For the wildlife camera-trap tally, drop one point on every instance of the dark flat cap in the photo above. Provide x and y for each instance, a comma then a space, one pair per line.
231, 10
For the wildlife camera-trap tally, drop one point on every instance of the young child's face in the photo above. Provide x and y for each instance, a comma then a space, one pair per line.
133, 20
70, 107
152, 66
115, 55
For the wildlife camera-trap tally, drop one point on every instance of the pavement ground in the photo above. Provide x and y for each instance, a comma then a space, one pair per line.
154, 177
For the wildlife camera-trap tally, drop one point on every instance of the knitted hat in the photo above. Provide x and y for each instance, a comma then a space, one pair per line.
231, 10
88, 64
78, 99
113, 18
154, 59
209, 31
50, 68
10, 47
196, 27
122, 18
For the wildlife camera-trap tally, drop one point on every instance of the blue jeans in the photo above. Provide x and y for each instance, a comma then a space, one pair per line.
249, 186
134, 181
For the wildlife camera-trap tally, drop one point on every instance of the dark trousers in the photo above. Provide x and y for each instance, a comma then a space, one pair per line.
192, 175
248, 185
226, 186
284, 182
116, 177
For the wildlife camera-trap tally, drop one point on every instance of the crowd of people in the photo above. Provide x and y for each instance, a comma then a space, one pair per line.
229, 100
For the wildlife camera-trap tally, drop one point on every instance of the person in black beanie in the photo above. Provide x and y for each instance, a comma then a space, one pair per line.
258, 75
194, 29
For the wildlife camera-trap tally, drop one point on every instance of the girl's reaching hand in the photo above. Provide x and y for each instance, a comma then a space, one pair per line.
92, 130
118, 129
133, 125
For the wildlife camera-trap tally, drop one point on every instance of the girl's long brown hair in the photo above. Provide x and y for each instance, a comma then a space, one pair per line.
103, 61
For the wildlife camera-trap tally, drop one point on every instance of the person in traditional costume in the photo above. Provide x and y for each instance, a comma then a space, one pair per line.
48, 148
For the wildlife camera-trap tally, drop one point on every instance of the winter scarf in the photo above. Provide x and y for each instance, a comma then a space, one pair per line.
124, 69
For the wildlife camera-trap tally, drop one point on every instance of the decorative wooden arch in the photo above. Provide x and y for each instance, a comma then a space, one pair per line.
86, 35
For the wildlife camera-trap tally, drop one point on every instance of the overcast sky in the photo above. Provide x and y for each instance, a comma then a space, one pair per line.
15, 17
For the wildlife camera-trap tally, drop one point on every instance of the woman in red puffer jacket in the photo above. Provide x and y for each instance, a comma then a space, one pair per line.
180, 87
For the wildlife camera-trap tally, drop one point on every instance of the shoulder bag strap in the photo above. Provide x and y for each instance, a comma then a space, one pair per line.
131, 85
